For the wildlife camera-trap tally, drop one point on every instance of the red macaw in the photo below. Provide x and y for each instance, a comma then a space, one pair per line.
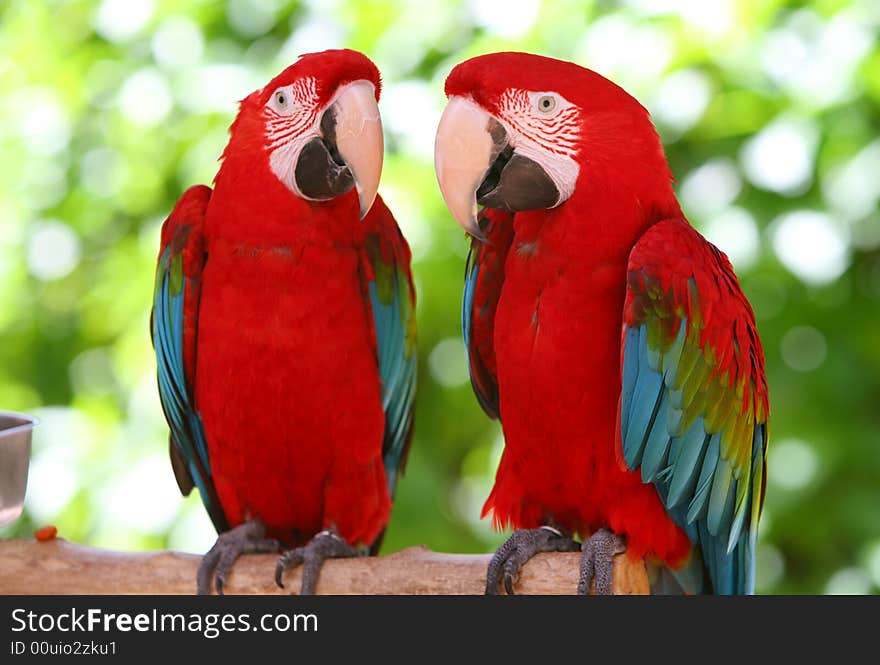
284, 326
611, 339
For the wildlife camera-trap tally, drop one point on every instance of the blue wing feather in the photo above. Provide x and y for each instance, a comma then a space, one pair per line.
630, 373
697, 506
692, 445
483, 282
397, 369
186, 427
695, 483
657, 443
172, 288
723, 493
647, 395
187, 432
484, 393
693, 402
467, 302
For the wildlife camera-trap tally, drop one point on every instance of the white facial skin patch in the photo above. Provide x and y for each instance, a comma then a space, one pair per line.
291, 114
546, 128
293, 119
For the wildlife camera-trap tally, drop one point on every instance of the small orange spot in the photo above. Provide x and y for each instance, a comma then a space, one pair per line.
45, 533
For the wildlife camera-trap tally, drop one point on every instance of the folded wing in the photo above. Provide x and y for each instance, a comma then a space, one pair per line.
694, 405
389, 285
174, 330
483, 279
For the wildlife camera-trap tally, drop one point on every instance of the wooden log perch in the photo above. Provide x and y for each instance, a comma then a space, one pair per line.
61, 567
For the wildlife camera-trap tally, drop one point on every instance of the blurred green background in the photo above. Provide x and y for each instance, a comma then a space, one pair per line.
769, 111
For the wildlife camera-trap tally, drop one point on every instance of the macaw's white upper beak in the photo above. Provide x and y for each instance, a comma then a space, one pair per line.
464, 151
478, 161
358, 138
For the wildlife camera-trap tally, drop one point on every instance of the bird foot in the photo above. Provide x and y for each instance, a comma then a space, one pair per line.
522, 545
325, 545
217, 563
598, 561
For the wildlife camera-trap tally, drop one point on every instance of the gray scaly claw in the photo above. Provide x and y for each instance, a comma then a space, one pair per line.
217, 564
522, 545
325, 545
598, 562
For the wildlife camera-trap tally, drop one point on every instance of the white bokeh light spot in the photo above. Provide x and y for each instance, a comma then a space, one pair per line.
59, 442
42, 183
783, 53
681, 99
145, 98
215, 88
51, 485
120, 20
735, 233
312, 35
811, 245
804, 348
506, 18
873, 562
252, 18
415, 228
45, 127
178, 42
770, 566
448, 363
100, 172
780, 157
92, 373
848, 582
792, 464
854, 188
710, 188
411, 111
53, 250
144, 497
712, 18
192, 531
815, 60
636, 67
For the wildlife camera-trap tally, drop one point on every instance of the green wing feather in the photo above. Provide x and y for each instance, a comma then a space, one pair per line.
694, 406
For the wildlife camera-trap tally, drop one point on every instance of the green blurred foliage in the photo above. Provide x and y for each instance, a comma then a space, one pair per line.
769, 114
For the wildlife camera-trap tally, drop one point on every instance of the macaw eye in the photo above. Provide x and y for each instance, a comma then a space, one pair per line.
281, 102
546, 104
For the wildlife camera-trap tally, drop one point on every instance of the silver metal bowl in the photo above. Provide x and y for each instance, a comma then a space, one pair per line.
15, 453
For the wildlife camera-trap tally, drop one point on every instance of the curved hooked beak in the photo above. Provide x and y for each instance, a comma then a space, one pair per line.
358, 136
464, 150
347, 150
476, 162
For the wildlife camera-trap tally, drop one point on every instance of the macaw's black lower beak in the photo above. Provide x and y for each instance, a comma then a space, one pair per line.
477, 163
516, 183
321, 172
349, 151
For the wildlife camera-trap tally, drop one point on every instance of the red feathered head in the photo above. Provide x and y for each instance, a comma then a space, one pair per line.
316, 126
521, 131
